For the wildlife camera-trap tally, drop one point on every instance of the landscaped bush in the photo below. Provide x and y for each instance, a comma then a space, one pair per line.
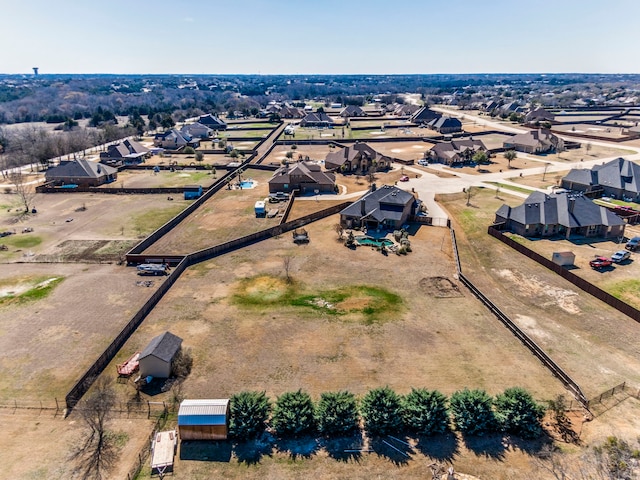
293, 414
425, 412
189, 150
249, 414
518, 413
472, 412
337, 413
382, 411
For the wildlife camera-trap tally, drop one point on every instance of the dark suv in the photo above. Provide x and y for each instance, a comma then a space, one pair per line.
633, 244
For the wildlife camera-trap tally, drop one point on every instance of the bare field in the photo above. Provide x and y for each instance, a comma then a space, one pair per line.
229, 214
594, 343
278, 349
550, 179
314, 152
403, 150
47, 344
119, 219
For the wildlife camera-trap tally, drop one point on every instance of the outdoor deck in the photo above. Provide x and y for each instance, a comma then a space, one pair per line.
162, 452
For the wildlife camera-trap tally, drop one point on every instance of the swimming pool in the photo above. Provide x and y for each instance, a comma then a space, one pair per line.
245, 184
374, 242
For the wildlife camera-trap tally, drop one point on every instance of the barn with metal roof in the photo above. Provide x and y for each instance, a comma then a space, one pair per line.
205, 419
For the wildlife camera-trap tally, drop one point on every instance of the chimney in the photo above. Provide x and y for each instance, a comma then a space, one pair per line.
572, 203
373, 187
363, 210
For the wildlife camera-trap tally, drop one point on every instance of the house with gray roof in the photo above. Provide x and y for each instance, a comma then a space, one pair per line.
445, 125
175, 140
82, 173
565, 214
424, 115
211, 121
404, 110
317, 119
456, 152
127, 152
352, 111
386, 207
539, 115
157, 357
305, 177
197, 130
534, 141
358, 157
618, 178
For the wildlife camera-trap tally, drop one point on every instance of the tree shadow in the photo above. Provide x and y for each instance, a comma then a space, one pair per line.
301, 447
252, 451
442, 448
206, 451
530, 446
396, 450
490, 446
344, 449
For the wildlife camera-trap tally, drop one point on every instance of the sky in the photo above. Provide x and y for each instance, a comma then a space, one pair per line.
319, 36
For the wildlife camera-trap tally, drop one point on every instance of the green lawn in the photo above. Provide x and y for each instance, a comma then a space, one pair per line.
506, 186
21, 241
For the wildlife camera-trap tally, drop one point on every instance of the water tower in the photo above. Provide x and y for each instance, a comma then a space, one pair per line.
35, 71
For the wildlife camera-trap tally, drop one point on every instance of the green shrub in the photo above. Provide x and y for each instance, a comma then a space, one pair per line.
294, 414
518, 413
425, 412
337, 413
472, 412
382, 411
189, 150
249, 413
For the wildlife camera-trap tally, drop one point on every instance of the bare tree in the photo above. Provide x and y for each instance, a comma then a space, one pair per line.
286, 264
588, 147
23, 189
471, 192
98, 453
339, 230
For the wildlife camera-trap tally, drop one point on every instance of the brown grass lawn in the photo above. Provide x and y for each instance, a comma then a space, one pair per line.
595, 344
551, 179
314, 152
164, 178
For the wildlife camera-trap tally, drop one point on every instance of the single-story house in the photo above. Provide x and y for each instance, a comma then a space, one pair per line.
618, 178
490, 106
534, 141
211, 121
539, 115
196, 130
456, 152
316, 119
127, 152
157, 357
82, 173
545, 215
424, 115
352, 111
405, 110
175, 140
305, 177
204, 419
386, 207
445, 125
358, 157
290, 112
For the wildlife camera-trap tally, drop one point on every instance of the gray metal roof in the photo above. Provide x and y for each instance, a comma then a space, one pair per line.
203, 412
163, 346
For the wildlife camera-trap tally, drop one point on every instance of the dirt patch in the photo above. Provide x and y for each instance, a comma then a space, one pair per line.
439, 287
89, 251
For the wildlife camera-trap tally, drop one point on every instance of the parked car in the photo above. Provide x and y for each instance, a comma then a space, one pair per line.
404, 178
600, 262
620, 256
633, 244
278, 197
423, 162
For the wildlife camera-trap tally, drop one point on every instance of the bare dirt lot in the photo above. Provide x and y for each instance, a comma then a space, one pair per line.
69, 221
594, 343
47, 343
314, 152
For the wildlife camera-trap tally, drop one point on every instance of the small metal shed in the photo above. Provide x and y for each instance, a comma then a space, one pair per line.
204, 419
157, 357
192, 191
563, 258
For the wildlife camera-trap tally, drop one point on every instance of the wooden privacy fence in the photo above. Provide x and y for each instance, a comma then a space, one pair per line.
546, 360
579, 282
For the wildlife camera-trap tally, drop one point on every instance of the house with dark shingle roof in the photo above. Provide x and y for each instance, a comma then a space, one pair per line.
302, 176
127, 152
211, 121
539, 115
316, 119
175, 140
386, 207
157, 357
352, 111
618, 178
82, 173
534, 141
358, 157
545, 215
424, 115
445, 125
405, 110
197, 130
456, 152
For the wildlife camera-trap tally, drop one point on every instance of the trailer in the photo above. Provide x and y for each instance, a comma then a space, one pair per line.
163, 449
153, 269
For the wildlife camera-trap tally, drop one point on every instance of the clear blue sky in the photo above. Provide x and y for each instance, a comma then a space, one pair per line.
313, 36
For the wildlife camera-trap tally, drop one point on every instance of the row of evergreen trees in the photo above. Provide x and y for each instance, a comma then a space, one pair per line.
383, 411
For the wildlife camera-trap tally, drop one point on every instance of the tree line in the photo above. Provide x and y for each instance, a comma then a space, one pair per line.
381, 411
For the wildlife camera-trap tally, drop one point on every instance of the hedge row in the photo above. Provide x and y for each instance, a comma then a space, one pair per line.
382, 411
